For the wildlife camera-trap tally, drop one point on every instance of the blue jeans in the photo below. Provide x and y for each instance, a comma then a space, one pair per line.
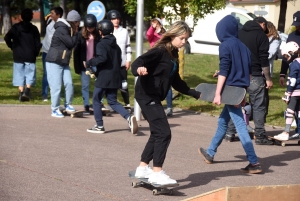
44, 79
57, 75
111, 96
169, 98
85, 87
236, 114
257, 95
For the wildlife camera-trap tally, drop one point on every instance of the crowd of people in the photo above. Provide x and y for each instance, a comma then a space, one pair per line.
246, 60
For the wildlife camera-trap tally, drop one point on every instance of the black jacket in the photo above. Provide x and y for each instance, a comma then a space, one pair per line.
295, 36
108, 61
80, 52
253, 36
24, 40
163, 72
62, 43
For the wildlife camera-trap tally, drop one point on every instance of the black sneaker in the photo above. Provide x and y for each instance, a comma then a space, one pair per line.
96, 129
26, 95
263, 141
207, 158
295, 136
229, 138
252, 169
20, 96
132, 123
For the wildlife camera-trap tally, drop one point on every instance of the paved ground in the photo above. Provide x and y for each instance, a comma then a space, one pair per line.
45, 158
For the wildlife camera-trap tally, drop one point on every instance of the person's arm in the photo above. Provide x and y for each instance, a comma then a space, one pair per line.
8, 38
283, 71
273, 48
263, 53
100, 58
220, 84
150, 34
128, 51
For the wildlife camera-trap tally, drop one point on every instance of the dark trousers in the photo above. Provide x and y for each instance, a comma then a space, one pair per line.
160, 132
111, 96
125, 92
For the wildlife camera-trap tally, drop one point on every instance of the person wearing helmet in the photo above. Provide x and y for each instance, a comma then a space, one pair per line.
292, 95
85, 49
294, 36
108, 60
58, 62
123, 40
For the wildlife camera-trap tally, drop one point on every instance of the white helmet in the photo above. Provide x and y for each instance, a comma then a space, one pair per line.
289, 47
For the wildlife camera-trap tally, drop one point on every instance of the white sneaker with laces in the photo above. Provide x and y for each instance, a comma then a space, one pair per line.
132, 124
282, 136
161, 178
143, 172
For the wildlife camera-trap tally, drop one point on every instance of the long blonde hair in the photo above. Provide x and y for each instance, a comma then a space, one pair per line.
177, 29
272, 31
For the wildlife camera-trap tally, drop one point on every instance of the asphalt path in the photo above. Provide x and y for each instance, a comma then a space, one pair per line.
46, 158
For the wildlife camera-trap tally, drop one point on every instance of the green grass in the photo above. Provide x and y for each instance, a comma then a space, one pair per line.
198, 68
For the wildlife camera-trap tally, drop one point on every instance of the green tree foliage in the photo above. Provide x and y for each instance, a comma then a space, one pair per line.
179, 9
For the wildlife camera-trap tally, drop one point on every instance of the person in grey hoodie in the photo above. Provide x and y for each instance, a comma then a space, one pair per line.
24, 40
57, 61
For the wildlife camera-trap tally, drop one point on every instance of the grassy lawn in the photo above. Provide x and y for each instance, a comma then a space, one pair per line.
198, 68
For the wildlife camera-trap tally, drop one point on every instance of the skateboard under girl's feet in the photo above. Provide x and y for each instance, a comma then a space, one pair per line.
282, 142
156, 188
230, 95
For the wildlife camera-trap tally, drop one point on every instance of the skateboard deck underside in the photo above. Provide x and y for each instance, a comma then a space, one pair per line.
230, 95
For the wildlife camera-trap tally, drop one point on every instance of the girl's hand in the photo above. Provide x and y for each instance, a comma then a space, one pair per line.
142, 71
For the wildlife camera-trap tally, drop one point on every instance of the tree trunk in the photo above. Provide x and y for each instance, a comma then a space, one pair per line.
6, 16
63, 5
282, 14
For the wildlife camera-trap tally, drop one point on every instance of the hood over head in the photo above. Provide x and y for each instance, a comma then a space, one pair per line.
227, 28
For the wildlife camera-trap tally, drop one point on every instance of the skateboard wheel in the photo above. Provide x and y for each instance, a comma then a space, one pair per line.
92, 76
87, 72
299, 142
283, 144
134, 184
171, 192
154, 192
72, 115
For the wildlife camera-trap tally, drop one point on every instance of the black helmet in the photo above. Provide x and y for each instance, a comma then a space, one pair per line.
90, 20
113, 14
106, 27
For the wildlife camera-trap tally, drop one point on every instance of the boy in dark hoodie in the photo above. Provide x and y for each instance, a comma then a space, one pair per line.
108, 62
235, 70
24, 40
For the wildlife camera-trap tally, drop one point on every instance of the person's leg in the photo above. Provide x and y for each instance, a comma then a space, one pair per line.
30, 78
85, 90
239, 122
68, 84
124, 87
257, 100
111, 96
230, 132
158, 143
289, 114
97, 97
19, 78
221, 130
44, 79
267, 100
297, 112
54, 77
169, 99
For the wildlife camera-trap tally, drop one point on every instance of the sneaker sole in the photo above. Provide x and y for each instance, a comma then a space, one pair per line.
134, 125
251, 171
57, 116
97, 132
206, 161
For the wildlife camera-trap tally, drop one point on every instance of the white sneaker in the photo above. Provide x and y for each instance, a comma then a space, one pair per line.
282, 136
161, 178
70, 108
143, 172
